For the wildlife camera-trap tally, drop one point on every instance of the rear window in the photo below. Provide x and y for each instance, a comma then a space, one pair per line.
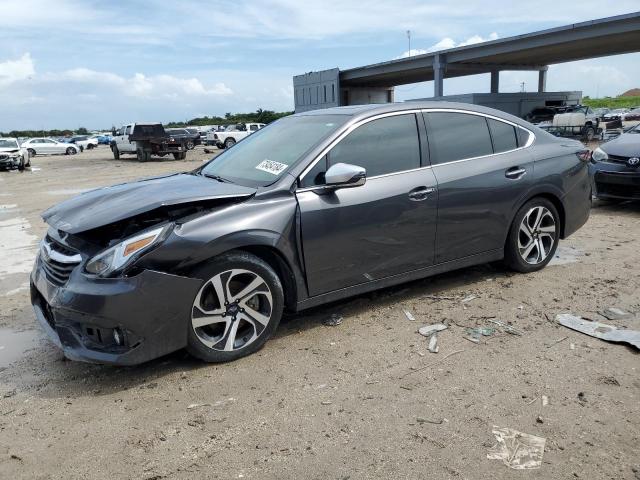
458, 136
503, 136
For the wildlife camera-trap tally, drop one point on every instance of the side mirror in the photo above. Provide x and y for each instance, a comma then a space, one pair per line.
345, 175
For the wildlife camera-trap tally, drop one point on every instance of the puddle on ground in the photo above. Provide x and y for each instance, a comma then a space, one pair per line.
17, 246
565, 254
14, 344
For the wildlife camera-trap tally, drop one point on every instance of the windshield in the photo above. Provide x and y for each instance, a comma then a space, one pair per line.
264, 156
8, 143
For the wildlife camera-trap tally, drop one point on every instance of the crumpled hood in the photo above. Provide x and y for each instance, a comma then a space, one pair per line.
626, 145
9, 150
111, 204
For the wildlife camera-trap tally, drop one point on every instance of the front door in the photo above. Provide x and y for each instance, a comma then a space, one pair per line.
383, 228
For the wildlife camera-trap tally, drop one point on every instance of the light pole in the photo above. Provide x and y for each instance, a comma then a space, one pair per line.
409, 37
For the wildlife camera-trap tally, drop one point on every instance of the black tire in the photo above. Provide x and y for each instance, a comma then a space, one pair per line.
28, 161
116, 152
589, 133
32, 152
229, 142
513, 256
190, 145
143, 155
71, 151
90, 146
235, 260
21, 164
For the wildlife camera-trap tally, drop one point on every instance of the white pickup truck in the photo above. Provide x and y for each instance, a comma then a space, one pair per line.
232, 134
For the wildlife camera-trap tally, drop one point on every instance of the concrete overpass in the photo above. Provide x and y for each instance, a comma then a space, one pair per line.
533, 51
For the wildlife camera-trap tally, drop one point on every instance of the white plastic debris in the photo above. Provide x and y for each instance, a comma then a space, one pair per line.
517, 450
468, 298
409, 315
615, 313
433, 344
599, 330
429, 330
545, 400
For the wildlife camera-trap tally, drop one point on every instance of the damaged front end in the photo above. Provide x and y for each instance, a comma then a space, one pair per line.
88, 286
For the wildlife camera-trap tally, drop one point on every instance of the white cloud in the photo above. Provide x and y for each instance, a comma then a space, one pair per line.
16, 70
447, 43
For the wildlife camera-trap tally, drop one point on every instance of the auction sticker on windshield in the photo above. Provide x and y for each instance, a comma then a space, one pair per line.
269, 166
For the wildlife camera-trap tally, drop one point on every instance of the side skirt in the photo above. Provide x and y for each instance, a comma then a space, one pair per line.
485, 257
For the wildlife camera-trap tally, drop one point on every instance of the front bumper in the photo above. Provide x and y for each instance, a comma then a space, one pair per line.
617, 183
150, 311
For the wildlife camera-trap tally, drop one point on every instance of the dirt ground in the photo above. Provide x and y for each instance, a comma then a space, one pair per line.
364, 399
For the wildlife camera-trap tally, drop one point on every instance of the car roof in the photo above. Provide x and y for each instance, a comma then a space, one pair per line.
364, 111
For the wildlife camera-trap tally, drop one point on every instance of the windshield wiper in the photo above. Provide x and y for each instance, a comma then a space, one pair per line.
218, 178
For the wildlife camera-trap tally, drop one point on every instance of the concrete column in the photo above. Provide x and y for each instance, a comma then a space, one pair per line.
495, 81
542, 80
438, 75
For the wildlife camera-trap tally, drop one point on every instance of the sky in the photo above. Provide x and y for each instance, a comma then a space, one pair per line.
73, 63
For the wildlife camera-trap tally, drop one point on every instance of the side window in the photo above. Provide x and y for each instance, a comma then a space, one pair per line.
457, 136
253, 128
381, 146
315, 176
127, 130
503, 136
523, 136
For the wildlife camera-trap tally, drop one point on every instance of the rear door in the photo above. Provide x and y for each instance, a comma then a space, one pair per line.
386, 226
483, 171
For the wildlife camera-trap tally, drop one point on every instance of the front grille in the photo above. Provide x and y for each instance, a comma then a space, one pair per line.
4, 156
58, 261
618, 159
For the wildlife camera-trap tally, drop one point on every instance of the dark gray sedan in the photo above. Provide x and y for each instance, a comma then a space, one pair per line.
314, 208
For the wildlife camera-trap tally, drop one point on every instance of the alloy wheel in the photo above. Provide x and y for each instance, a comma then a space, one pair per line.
231, 310
537, 235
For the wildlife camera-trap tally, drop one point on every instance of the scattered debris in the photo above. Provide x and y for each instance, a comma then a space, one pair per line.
614, 313
431, 364
557, 342
572, 346
326, 402
545, 400
439, 297
582, 398
333, 321
599, 330
433, 344
539, 419
471, 339
468, 298
426, 420
507, 328
409, 315
429, 330
198, 405
517, 450
481, 332
609, 380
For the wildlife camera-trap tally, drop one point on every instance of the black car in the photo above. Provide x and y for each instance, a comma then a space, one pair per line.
616, 167
316, 207
190, 136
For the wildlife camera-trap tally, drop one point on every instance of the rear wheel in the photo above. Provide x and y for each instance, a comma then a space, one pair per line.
32, 152
190, 145
229, 142
589, 133
236, 310
143, 155
90, 146
533, 237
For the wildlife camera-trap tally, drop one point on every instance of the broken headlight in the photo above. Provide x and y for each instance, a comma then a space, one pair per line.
116, 258
599, 155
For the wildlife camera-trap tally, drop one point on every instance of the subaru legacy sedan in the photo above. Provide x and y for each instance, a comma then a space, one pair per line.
314, 208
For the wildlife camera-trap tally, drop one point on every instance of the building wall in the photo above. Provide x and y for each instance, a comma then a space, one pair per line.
316, 90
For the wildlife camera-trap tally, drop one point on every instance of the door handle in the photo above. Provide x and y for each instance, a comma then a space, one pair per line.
421, 193
515, 173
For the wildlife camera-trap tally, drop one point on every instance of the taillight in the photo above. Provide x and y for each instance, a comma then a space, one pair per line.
584, 155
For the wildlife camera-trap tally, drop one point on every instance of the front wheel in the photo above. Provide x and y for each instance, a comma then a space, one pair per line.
71, 151
116, 152
237, 309
229, 142
533, 237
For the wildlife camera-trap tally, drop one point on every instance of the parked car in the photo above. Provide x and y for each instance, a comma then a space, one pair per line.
601, 112
632, 115
12, 155
314, 208
616, 167
146, 139
49, 146
615, 114
234, 133
190, 136
104, 139
84, 142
